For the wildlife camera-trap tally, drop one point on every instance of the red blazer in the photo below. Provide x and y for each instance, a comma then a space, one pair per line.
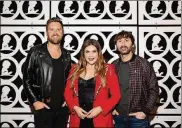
103, 100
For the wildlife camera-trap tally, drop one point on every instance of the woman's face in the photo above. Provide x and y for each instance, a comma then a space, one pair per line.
91, 54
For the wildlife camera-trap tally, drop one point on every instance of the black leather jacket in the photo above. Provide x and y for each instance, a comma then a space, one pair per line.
37, 72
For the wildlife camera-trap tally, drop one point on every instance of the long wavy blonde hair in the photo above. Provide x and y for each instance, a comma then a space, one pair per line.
100, 66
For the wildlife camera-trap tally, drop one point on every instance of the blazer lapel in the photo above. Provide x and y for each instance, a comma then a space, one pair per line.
97, 86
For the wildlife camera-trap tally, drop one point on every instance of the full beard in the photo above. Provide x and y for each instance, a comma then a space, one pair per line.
126, 51
54, 41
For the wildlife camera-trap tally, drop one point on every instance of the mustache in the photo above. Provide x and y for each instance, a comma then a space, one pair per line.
55, 35
123, 47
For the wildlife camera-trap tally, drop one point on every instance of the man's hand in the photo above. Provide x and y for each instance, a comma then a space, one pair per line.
115, 112
94, 112
39, 105
80, 112
138, 115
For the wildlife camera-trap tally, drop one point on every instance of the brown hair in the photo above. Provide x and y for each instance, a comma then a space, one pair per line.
100, 66
54, 19
124, 34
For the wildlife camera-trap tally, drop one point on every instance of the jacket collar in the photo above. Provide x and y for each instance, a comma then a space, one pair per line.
47, 56
131, 60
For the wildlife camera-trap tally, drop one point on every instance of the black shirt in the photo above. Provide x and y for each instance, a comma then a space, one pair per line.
86, 89
57, 83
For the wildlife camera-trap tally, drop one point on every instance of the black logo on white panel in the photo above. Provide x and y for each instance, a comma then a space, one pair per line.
7, 94
68, 8
177, 96
119, 8
112, 44
162, 96
93, 8
8, 69
29, 41
96, 37
177, 70
156, 44
32, 9
8, 8
70, 42
24, 97
155, 8
160, 68
6, 125
176, 43
176, 8
7, 43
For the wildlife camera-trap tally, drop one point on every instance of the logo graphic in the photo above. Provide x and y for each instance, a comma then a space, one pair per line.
155, 8
176, 44
29, 41
162, 96
177, 70
68, 8
156, 44
32, 8
70, 42
119, 8
177, 96
8, 43
159, 68
96, 37
112, 44
7, 95
93, 8
8, 8
7, 70
176, 8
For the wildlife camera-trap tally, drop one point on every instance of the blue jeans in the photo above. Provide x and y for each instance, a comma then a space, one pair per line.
130, 122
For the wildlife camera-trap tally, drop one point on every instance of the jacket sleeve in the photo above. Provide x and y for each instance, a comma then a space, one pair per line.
69, 95
153, 89
114, 90
28, 76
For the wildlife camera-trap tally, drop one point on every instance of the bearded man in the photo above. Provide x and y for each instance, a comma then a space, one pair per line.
138, 85
44, 77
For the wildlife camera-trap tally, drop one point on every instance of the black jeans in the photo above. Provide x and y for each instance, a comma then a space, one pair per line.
46, 118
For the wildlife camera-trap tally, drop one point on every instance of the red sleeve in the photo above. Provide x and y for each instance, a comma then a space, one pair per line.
114, 90
69, 93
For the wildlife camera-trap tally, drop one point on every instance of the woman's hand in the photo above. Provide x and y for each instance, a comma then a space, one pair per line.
80, 112
94, 112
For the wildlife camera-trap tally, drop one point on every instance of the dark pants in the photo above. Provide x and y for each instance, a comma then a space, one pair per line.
130, 122
46, 118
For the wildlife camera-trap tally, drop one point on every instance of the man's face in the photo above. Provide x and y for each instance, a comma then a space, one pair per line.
54, 32
124, 45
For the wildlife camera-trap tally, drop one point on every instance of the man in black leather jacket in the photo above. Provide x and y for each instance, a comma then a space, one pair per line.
44, 77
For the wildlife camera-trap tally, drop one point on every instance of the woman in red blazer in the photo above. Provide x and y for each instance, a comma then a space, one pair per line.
92, 89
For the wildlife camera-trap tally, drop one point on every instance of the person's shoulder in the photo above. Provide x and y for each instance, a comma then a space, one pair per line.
109, 66
66, 51
115, 61
73, 66
36, 48
143, 61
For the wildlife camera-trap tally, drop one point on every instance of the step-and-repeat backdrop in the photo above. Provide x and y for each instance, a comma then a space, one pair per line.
156, 26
